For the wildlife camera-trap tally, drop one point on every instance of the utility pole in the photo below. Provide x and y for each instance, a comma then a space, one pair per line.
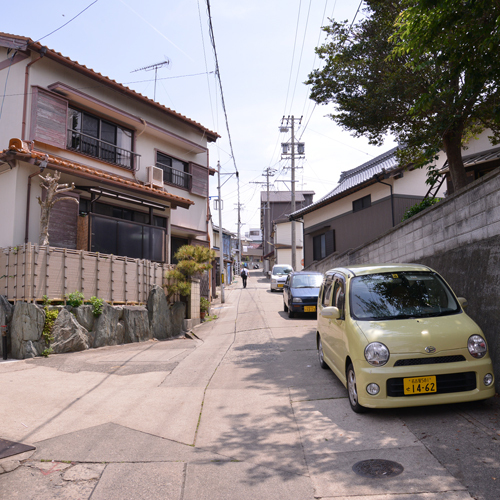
291, 152
221, 242
239, 224
268, 172
239, 249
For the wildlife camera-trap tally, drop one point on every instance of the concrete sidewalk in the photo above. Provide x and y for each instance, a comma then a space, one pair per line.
237, 409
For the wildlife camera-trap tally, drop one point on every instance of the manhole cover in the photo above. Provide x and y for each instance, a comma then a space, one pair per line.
9, 448
377, 468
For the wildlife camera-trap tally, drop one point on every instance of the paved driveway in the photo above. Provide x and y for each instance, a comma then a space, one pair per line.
239, 411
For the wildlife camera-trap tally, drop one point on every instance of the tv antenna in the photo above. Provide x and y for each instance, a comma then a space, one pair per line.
155, 67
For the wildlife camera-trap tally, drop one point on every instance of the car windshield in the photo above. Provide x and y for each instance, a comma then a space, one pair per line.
306, 281
400, 295
280, 270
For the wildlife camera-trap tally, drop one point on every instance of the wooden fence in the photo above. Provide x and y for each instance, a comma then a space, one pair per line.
29, 272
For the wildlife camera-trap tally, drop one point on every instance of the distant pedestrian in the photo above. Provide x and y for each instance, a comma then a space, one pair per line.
244, 275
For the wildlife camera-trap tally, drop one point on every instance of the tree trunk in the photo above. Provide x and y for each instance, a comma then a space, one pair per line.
452, 145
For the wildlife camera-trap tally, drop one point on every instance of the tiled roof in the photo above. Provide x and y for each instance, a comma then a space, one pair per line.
358, 176
24, 43
23, 151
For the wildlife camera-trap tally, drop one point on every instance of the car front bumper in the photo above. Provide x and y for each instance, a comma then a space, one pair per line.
456, 382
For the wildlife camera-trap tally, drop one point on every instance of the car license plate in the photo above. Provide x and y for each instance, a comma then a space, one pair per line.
419, 385
280, 285
309, 309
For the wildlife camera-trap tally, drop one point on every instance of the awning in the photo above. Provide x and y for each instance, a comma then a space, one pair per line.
476, 159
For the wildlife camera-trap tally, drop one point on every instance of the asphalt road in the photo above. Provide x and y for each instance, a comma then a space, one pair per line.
241, 410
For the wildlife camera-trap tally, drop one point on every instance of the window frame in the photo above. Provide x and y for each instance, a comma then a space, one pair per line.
362, 203
94, 145
168, 171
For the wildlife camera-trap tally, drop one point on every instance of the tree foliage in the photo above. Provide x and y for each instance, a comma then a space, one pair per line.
192, 261
424, 71
418, 207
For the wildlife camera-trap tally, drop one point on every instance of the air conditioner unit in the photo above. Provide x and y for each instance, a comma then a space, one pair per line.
155, 176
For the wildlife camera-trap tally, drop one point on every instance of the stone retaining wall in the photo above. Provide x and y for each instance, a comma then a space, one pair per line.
77, 329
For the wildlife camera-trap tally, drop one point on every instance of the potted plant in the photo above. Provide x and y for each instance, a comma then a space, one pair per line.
204, 307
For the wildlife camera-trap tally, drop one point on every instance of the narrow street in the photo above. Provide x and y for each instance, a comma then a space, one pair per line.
241, 410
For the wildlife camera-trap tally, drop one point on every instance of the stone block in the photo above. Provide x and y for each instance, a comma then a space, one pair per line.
107, 330
178, 310
136, 324
85, 316
69, 335
5, 318
493, 230
477, 206
492, 215
160, 320
479, 234
26, 325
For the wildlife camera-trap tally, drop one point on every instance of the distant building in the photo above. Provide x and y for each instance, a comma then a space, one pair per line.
279, 209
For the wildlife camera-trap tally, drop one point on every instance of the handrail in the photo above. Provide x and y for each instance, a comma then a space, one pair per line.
110, 153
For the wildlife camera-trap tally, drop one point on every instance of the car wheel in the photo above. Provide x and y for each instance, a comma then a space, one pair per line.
321, 355
285, 308
291, 314
352, 391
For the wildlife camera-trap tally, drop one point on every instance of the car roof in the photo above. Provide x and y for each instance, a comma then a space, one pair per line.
306, 272
363, 269
282, 265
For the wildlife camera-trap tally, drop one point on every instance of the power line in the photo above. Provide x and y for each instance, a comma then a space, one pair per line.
301, 53
72, 19
217, 72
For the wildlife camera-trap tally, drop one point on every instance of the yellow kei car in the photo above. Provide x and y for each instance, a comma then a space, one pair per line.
397, 336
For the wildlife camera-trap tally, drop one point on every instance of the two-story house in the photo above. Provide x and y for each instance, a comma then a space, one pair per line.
140, 170
368, 201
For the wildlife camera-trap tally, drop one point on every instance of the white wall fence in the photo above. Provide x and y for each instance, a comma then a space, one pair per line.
29, 272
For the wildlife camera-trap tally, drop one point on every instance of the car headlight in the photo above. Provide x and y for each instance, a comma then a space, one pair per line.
297, 299
376, 354
477, 346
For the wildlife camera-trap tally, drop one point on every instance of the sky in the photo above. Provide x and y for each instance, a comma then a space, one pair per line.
265, 51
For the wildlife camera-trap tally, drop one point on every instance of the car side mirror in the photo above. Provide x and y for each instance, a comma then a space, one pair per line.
330, 312
463, 302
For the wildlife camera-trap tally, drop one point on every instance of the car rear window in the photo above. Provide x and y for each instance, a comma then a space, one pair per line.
400, 295
306, 281
282, 270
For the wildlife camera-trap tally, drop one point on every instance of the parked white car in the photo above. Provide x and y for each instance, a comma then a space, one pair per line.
279, 275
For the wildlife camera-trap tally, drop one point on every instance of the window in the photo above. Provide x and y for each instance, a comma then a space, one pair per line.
327, 292
120, 213
99, 138
323, 245
174, 171
339, 295
362, 203
319, 247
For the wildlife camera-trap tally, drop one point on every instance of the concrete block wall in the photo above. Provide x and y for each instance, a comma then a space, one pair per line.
459, 238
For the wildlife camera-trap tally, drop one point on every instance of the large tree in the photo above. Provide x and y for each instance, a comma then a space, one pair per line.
425, 71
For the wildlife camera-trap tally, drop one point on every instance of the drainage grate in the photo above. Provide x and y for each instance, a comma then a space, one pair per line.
9, 448
377, 468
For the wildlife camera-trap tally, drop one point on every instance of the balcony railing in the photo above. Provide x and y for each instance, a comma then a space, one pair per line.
174, 176
78, 141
